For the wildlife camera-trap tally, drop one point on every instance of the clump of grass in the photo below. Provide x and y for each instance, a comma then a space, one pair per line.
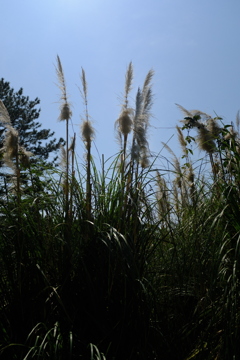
140, 261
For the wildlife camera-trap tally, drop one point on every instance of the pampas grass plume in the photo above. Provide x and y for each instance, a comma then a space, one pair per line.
65, 112
135, 152
128, 80
205, 140
25, 157
181, 140
63, 157
145, 161
231, 134
11, 143
87, 131
125, 122
213, 127
4, 116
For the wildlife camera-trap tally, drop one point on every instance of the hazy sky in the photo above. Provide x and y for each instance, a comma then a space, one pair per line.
192, 45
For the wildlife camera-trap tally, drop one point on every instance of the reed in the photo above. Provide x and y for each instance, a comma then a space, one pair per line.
87, 136
65, 115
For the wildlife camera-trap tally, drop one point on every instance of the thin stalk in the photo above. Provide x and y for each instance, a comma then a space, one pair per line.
88, 184
67, 173
72, 148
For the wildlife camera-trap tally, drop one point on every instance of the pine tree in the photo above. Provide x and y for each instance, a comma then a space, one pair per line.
24, 114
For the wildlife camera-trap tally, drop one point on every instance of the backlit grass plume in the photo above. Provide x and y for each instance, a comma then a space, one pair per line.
128, 84
143, 104
4, 115
65, 115
182, 140
65, 112
206, 140
10, 144
124, 123
207, 131
87, 133
14, 155
163, 200
136, 120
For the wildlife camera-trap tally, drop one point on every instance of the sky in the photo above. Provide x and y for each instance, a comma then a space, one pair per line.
193, 47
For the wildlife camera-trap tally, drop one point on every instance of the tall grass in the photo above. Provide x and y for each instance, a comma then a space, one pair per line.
125, 261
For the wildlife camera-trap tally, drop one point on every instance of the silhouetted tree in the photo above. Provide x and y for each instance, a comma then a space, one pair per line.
23, 114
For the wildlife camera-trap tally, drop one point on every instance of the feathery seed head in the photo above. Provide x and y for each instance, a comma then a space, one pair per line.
231, 134
148, 101
145, 162
84, 83
213, 127
148, 79
138, 102
65, 113
59, 66
125, 122
63, 158
144, 158
162, 197
87, 131
238, 119
181, 139
184, 111
61, 79
192, 117
178, 181
140, 133
206, 140
128, 79
216, 168
9, 162
24, 156
4, 116
11, 143
135, 151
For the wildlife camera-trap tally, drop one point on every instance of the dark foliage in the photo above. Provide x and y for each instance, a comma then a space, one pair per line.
24, 114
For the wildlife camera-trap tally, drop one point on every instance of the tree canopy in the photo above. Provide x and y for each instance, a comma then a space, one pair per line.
24, 113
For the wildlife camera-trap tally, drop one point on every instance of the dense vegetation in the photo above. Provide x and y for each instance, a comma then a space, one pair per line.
24, 116
127, 261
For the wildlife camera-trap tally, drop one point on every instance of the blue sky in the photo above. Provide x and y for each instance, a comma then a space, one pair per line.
192, 45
